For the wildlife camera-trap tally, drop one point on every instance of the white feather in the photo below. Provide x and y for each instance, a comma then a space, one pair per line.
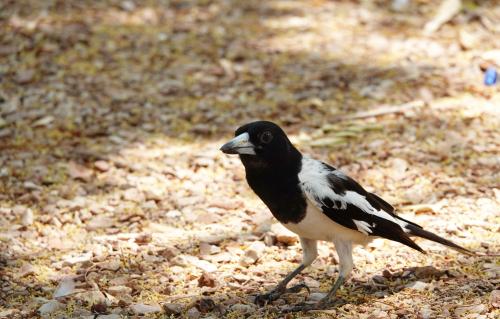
363, 226
314, 181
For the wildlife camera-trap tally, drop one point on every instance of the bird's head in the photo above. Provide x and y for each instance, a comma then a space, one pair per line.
261, 143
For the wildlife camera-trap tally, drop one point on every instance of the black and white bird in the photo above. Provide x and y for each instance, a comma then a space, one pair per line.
317, 202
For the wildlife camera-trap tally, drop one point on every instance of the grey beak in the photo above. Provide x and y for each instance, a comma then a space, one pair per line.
239, 145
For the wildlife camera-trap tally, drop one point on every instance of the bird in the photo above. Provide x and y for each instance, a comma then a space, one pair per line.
318, 202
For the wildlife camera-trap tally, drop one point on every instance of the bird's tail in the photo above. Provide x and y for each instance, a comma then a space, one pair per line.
415, 230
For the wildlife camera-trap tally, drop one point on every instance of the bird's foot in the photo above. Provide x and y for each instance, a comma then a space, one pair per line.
274, 294
323, 304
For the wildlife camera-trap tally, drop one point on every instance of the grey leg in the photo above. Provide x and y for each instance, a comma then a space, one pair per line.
344, 251
309, 254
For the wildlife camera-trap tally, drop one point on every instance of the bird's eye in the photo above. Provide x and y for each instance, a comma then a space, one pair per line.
266, 137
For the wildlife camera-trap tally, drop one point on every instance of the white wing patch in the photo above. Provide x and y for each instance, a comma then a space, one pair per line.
314, 181
363, 226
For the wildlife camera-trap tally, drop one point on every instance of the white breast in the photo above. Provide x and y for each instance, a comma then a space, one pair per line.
316, 225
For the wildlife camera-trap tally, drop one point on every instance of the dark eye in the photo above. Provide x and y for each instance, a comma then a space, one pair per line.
266, 137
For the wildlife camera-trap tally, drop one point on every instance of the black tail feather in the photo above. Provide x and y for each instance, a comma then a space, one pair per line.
417, 231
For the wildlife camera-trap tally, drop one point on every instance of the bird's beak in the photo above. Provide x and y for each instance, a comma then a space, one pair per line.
239, 145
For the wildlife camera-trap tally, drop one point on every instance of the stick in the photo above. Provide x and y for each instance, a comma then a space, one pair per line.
386, 109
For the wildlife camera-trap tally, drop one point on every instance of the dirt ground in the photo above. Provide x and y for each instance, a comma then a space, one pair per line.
116, 202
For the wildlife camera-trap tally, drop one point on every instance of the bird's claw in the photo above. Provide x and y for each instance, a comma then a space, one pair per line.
274, 294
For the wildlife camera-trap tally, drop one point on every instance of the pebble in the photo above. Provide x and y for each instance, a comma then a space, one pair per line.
27, 218
141, 309
207, 280
193, 313
119, 290
425, 312
99, 222
252, 253
283, 235
172, 308
476, 309
50, 307
316, 296
26, 270
103, 166
418, 285
242, 308
495, 298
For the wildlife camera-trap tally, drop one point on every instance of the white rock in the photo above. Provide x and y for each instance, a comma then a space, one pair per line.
283, 235
142, 309
50, 307
72, 260
425, 312
65, 287
193, 313
460, 311
418, 285
252, 253
495, 298
27, 218
316, 296
119, 290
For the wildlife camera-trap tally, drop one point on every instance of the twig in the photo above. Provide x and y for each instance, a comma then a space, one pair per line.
387, 109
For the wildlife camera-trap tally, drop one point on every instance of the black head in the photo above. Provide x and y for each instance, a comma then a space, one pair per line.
261, 143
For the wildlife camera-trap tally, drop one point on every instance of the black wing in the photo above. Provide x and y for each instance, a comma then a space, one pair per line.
347, 203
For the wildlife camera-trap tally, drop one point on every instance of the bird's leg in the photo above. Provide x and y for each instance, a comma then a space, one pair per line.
310, 252
344, 250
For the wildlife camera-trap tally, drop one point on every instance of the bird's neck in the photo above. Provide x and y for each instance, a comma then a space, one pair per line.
277, 167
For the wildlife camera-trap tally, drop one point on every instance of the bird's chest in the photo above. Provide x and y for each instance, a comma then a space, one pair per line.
285, 200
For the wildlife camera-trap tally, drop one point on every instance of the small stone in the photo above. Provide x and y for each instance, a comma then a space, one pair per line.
193, 313
495, 298
418, 285
253, 253
428, 272
50, 307
316, 296
205, 305
26, 270
169, 252
378, 314
73, 260
172, 308
79, 172
144, 239
206, 280
243, 308
425, 312
27, 218
118, 291
25, 76
134, 195
207, 249
379, 279
8, 313
29, 185
141, 309
476, 309
311, 283
112, 265
65, 287
99, 222
102, 166
283, 235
